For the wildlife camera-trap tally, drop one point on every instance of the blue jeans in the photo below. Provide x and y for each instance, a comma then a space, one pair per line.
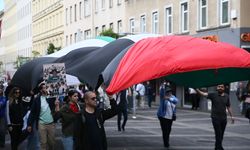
67, 142
33, 139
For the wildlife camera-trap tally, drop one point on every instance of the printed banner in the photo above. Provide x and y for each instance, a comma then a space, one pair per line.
54, 76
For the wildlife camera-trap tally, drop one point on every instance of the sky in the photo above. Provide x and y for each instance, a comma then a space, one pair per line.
1, 4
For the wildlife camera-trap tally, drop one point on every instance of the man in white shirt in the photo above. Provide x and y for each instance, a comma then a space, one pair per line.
193, 96
140, 89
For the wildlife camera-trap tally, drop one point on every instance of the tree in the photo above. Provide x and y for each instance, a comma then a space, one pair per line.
110, 33
20, 60
51, 49
35, 54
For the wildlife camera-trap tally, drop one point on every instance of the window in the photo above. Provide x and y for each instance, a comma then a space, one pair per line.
70, 39
132, 25
111, 26
66, 16
168, 20
202, 14
119, 2
80, 38
80, 10
184, 17
110, 3
96, 31
143, 24
224, 12
103, 4
96, 6
75, 37
119, 26
75, 13
103, 27
86, 8
155, 22
87, 34
67, 40
70, 14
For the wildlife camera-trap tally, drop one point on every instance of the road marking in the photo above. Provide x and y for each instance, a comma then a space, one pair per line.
180, 148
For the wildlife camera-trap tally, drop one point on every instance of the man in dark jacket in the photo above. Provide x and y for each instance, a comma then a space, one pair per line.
89, 130
42, 112
123, 105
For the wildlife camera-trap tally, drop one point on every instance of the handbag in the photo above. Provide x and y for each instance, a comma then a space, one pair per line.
174, 114
174, 117
138, 96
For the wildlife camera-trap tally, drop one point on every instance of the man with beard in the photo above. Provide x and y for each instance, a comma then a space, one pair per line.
43, 114
89, 132
220, 102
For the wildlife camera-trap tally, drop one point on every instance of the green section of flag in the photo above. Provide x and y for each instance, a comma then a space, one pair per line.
105, 38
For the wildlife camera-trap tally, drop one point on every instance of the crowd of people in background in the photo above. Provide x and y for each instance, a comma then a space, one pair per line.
82, 112
243, 95
34, 117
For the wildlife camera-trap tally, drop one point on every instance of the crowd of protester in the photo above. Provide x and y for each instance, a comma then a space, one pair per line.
34, 118
81, 111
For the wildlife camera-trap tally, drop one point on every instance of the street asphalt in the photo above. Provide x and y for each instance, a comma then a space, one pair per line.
192, 131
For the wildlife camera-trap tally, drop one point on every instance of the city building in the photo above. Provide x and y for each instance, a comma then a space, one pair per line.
1, 43
24, 29
9, 36
16, 38
85, 19
1, 26
47, 24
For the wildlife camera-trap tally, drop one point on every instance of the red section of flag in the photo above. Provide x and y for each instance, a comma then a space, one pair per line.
161, 56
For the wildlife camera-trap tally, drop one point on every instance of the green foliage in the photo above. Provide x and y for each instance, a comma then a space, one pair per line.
20, 60
35, 54
110, 33
58, 48
51, 49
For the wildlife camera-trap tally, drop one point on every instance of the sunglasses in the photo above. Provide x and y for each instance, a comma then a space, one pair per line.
17, 92
93, 98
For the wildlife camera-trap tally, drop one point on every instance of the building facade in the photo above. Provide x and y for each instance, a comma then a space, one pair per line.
9, 36
1, 29
85, 19
24, 28
47, 24
16, 37
1, 45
